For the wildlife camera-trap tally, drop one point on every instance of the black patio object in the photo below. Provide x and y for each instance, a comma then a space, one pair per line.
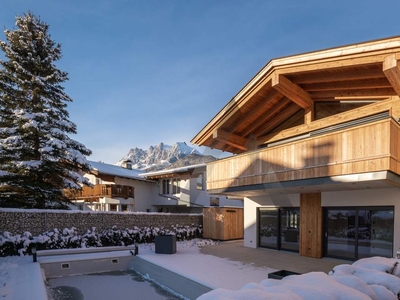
165, 244
281, 273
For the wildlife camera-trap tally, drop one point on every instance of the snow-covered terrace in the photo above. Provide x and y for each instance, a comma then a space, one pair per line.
375, 278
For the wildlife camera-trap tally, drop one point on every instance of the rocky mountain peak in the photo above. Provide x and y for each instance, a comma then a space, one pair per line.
164, 156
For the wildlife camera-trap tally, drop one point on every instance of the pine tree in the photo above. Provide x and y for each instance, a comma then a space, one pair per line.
38, 159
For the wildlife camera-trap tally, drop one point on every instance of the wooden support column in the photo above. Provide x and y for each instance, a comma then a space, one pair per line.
308, 115
311, 225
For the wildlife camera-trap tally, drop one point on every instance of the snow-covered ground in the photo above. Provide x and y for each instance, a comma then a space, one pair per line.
373, 278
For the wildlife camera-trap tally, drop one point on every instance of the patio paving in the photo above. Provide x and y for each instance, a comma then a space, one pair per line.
262, 257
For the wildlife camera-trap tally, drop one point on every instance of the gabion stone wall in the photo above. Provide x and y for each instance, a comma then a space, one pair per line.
17, 221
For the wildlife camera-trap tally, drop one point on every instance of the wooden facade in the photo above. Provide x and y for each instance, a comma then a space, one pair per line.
365, 148
101, 190
223, 223
324, 121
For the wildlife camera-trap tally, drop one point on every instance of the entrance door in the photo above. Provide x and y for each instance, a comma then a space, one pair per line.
359, 232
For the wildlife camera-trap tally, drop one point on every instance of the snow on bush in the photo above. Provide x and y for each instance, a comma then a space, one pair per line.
69, 238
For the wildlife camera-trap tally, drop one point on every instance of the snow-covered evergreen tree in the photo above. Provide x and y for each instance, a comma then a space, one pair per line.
38, 159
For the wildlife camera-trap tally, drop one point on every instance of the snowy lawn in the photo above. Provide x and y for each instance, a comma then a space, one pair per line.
372, 278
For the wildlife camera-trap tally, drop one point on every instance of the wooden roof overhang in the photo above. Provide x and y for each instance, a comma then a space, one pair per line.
176, 172
166, 175
283, 93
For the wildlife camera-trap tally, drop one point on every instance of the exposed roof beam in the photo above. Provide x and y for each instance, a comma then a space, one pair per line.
386, 92
269, 114
357, 98
258, 112
288, 112
230, 139
291, 90
343, 75
348, 85
392, 72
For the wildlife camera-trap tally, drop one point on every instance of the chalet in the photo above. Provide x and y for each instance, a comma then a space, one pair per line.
121, 188
183, 190
316, 158
115, 188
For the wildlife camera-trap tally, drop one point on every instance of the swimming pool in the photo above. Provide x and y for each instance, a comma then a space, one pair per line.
115, 285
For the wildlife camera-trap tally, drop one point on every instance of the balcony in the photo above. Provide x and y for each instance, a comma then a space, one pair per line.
312, 160
101, 191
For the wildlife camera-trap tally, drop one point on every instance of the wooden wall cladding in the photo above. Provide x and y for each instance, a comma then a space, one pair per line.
311, 229
223, 223
366, 148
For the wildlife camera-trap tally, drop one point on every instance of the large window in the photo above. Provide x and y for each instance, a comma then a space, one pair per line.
279, 228
176, 186
358, 232
330, 108
165, 186
200, 182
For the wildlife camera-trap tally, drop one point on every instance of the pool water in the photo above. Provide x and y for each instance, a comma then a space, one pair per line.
116, 285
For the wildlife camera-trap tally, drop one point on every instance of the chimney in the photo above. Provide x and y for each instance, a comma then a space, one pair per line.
127, 164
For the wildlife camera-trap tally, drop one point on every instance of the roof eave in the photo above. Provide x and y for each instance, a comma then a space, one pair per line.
310, 57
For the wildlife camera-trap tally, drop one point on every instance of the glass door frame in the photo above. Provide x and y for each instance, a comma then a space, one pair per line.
279, 228
357, 209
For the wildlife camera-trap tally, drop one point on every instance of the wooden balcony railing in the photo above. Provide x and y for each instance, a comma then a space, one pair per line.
100, 191
364, 148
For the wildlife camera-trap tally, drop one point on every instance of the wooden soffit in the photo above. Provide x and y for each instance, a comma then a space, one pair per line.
272, 100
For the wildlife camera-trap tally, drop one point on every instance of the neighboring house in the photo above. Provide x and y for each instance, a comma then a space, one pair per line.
184, 190
121, 188
116, 188
318, 158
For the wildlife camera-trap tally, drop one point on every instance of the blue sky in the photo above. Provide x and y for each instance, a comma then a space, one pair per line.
144, 72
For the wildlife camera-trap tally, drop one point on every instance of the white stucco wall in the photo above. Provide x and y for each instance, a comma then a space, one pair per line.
190, 194
144, 192
148, 194
367, 197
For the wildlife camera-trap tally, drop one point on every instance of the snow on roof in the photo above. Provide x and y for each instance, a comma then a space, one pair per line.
173, 171
115, 170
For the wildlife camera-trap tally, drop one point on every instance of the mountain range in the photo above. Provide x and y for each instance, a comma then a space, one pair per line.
164, 156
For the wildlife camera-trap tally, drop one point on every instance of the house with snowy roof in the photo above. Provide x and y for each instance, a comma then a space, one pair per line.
183, 189
115, 188
121, 188
317, 156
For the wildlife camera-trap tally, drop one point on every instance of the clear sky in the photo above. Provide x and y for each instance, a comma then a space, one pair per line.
144, 72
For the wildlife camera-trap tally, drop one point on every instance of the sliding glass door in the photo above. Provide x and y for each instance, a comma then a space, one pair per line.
358, 232
290, 224
279, 228
340, 233
268, 227
375, 236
